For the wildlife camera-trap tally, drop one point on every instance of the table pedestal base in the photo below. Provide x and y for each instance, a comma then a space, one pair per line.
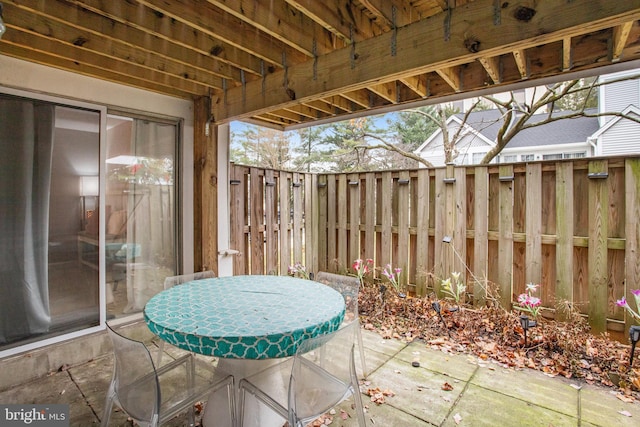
256, 415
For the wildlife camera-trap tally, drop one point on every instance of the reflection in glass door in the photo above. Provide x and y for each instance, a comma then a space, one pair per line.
140, 206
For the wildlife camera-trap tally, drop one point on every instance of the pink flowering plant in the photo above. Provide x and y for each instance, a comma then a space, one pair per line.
528, 303
622, 302
393, 275
298, 270
362, 268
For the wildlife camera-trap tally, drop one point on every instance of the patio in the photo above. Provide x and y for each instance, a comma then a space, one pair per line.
483, 394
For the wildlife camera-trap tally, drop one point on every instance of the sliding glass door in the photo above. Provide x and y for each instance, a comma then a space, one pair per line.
63, 268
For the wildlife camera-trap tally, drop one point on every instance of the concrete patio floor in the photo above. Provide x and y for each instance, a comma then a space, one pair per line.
482, 394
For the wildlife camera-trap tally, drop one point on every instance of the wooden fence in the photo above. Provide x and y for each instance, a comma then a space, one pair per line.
571, 226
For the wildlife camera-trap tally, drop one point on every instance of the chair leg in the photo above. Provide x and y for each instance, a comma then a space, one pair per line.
361, 351
108, 406
160, 352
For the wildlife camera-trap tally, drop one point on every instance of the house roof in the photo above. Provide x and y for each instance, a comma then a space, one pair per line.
565, 131
292, 63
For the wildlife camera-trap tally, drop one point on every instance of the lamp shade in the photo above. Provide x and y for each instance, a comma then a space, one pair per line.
89, 186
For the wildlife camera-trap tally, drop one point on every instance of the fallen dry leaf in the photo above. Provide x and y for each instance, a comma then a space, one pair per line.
492, 337
625, 413
447, 387
457, 419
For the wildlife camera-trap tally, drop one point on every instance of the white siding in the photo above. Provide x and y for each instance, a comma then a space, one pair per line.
622, 138
618, 96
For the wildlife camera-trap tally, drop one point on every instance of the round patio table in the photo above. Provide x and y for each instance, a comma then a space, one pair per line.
243, 320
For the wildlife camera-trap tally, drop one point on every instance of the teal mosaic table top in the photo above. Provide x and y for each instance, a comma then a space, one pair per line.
244, 317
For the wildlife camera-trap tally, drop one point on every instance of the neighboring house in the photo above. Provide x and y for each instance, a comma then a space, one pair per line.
563, 139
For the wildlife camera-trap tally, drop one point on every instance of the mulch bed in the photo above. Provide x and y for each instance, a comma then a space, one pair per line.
565, 349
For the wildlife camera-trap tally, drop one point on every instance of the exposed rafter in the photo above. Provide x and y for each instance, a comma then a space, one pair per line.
291, 63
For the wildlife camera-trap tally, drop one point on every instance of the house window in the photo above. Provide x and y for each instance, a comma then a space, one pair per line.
477, 158
579, 155
552, 156
527, 157
510, 158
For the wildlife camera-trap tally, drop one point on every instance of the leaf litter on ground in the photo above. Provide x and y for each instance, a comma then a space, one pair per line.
494, 335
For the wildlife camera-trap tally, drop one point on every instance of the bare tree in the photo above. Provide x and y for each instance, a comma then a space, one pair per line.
515, 116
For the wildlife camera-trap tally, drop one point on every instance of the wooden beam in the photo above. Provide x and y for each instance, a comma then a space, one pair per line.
620, 37
358, 97
566, 53
87, 32
342, 19
388, 91
230, 30
172, 31
42, 50
418, 84
492, 67
451, 76
520, 57
282, 22
424, 49
125, 42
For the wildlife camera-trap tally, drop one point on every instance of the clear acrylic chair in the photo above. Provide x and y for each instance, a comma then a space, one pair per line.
349, 287
172, 281
320, 376
152, 396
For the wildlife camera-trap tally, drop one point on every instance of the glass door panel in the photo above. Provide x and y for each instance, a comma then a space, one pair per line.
141, 206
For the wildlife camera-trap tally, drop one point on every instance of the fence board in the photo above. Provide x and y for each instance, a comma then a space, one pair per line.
533, 224
322, 229
481, 238
310, 218
284, 186
371, 201
442, 260
402, 259
598, 231
238, 239
354, 220
271, 223
256, 225
459, 225
413, 222
386, 219
341, 259
505, 239
632, 231
422, 226
332, 208
564, 245
297, 186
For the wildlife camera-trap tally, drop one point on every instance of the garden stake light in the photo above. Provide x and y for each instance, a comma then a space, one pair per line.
526, 324
634, 336
436, 306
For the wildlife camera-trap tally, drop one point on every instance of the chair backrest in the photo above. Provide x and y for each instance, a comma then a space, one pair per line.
329, 372
348, 286
135, 381
171, 281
